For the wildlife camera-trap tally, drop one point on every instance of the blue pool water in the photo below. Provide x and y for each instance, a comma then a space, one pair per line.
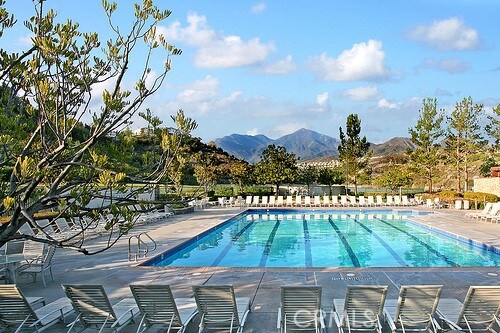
260, 238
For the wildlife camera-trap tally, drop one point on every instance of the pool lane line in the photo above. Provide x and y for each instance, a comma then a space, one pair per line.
269, 243
383, 242
352, 255
228, 247
307, 243
427, 246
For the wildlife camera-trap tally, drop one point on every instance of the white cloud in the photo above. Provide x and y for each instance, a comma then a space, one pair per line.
25, 41
361, 93
452, 66
199, 91
322, 99
364, 61
253, 131
283, 66
203, 96
446, 35
258, 8
284, 129
215, 50
385, 104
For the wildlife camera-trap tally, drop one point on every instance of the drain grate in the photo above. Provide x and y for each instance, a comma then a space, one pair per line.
352, 276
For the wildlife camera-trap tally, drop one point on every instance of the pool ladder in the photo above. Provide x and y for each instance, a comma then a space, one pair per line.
142, 249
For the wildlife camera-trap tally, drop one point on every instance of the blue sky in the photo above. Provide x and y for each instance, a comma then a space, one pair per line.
272, 67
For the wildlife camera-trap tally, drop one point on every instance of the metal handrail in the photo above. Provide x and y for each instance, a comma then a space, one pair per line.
150, 238
144, 251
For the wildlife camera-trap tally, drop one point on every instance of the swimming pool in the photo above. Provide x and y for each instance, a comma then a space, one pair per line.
292, 238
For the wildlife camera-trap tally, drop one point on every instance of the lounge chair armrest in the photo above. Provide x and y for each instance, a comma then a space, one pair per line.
447, 321
278, 324
126, 313
321, 319
49, 314
389, 320
436, 325
336, 317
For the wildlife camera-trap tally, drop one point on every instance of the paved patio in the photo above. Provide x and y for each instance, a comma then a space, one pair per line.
113, 270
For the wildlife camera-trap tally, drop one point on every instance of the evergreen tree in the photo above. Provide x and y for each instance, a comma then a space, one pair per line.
464, 137
353, 151
425, 136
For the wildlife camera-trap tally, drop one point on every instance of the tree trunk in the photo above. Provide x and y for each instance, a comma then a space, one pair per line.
277, 189
355, 185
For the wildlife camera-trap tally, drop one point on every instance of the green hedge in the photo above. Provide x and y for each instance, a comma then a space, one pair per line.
480, 198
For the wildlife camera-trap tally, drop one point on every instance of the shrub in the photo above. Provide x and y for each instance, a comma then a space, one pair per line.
448, 195
480, 198
224, 191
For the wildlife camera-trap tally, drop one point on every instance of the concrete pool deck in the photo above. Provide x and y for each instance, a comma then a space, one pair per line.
113, 270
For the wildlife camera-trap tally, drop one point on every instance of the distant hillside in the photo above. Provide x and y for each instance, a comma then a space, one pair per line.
243, 146
394, 145
305, 143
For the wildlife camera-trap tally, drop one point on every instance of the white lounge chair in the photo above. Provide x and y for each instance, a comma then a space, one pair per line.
317, 201
220, 309
492, 215
255, 200
307, 201
397, 200
157, 306
280, 202
479, 312
389, 200
484, 212
335, 201
17, 313
248, 200
264, 202
352, 201
326, 201
362, 201
361, 310
39, 266
380, 201
371, 201
300, 309
405, 201
289, 201
272, 201
415, 309
343, 201
298, 201
94, 309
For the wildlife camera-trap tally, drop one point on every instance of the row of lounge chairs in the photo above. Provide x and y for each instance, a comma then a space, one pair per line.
75, 227
364, 308
491, 213
328, 201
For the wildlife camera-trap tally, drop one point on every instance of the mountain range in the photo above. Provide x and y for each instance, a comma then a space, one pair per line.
304, 143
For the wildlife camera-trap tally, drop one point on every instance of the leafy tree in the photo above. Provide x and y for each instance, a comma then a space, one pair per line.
308, 175
331, 176
58, 163
464, 137
493, 128
395, 177
206, 171
240, 173
276, 166
485, 169
353, 151
425, 136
